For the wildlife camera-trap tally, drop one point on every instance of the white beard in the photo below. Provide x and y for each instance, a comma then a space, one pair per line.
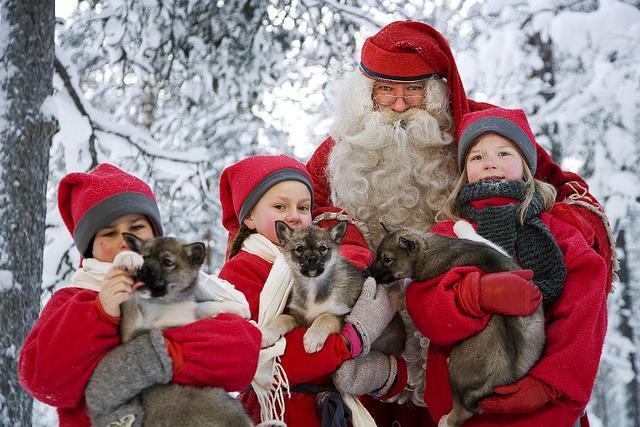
398, 168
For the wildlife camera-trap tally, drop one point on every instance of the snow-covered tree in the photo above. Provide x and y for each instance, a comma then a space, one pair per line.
26, 26
175, 90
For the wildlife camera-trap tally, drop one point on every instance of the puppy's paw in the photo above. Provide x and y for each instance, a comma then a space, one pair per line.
128, 261
269, 336
314, 339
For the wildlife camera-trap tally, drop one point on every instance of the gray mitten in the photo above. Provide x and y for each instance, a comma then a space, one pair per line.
375, 372
371, 313
126, 371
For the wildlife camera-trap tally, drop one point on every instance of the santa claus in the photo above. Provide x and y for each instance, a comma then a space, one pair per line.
391, 157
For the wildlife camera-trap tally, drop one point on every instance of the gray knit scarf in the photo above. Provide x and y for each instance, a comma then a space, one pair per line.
531, 244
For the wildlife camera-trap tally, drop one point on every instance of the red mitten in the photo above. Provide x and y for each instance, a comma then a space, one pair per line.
218, 352
525, 395
359, 256
510, 293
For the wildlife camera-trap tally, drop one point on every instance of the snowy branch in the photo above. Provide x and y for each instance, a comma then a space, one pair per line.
133, 136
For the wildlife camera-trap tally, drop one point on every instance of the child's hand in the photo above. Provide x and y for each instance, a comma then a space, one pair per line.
115, 289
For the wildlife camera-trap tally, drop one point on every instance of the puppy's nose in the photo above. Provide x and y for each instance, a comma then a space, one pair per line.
312, 260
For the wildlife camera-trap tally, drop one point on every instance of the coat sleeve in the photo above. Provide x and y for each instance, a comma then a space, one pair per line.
577, 321
249, 273
218, 352
354, 246
64, 346
433, 307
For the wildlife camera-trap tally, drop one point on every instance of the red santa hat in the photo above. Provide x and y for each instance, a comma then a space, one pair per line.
244, 183
409, 51
512, 124
91, 201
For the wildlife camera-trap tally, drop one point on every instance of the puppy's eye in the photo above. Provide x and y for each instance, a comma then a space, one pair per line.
323, 249
299, 249
167, 263
387, 260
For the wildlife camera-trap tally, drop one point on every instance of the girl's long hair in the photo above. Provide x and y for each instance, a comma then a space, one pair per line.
238, 240
451, 208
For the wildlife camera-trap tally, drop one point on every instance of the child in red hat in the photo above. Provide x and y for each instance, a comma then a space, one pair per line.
254, 193
79, 324
497, 193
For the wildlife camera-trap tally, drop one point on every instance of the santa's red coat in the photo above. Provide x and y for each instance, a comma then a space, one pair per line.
575, 326
72, 335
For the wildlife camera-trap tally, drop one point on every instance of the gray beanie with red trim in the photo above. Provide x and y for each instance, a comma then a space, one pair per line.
512, 124
90, 201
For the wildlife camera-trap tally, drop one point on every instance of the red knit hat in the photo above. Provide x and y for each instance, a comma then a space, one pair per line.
408, 51
512, 124
244, 183
91, 201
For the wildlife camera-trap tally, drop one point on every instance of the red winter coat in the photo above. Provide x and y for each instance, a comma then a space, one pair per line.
249, 272
575, 325
73, 334
584, 212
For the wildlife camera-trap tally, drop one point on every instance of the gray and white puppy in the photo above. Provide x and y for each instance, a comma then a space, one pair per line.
500, 354
325, 285
325, 288
169, 298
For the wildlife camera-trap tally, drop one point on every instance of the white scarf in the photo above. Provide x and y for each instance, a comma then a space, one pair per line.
90, 275
270, 381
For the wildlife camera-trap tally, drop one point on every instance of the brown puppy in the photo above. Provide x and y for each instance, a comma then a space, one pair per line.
500, 354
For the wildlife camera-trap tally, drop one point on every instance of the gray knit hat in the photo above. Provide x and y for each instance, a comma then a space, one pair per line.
512, 124
244, 183
91, 201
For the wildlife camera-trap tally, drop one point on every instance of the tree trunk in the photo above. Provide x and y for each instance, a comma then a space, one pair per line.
626, 329
26, 70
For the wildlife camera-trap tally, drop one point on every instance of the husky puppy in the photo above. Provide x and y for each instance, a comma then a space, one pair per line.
169, 269
500, 354
325, 285
325, 288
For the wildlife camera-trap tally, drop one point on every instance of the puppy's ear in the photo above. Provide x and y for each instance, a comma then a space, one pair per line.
338, 231
407, 244
195, 253
134, 242
283, 231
